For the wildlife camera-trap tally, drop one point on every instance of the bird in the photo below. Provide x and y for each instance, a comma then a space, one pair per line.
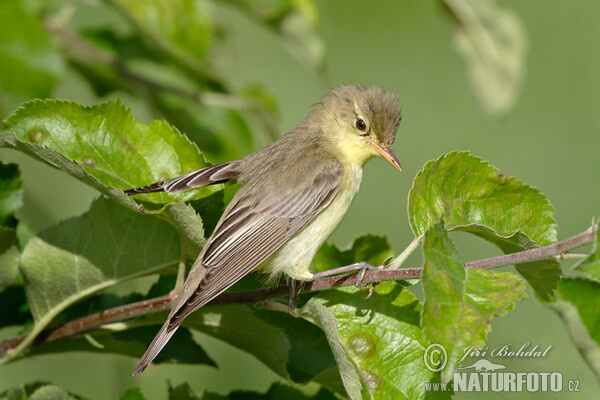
292, 195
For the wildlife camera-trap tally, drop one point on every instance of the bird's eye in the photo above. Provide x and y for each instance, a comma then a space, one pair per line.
360, 124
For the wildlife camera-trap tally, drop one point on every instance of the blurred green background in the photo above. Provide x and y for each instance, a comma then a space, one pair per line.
549, 140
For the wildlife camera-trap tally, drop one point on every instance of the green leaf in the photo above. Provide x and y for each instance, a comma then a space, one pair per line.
182, 392
22, 391
15, 309
11, 194
9, 257
263, 340
277, 391
41, 391
590, 266
234, 133
133, 394
11, 200
182, 30
210, 209
370, 248
377, 342
492, 43
105, 147
578, 305
29, 63
50, 392
130, 340
309, 353
460, 303
83, 255
472, 196
326, 320
293, 348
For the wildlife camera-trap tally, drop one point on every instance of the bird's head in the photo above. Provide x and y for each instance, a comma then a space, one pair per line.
362, 122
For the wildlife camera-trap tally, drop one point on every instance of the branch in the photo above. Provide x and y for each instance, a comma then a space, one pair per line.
372, 275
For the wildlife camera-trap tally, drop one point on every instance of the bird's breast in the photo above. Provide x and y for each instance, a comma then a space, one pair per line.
295, 256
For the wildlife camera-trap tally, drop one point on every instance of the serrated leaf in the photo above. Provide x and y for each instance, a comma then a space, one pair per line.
472, 196
460, 303
578, 305
492, 43
378, 340
83, 255
105, 147
29, 63
370, 248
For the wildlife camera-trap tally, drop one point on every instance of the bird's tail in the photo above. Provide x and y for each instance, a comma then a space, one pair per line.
175, 318
159, 341
203, 177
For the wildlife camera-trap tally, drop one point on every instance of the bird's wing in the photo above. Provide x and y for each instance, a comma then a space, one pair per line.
251, 229
206, 176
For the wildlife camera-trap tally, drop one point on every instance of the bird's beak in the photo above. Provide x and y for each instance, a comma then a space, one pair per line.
386, 153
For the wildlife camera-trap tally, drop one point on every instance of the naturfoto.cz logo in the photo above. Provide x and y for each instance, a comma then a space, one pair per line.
487, 376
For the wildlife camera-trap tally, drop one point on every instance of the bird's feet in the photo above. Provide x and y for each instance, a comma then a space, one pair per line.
296, 287
360, 267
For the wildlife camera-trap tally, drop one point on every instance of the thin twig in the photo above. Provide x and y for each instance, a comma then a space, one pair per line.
397, 263
371, 275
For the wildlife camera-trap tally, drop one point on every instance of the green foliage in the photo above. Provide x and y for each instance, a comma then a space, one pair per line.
110, 147
578, 304
169, 55
81, 268
363, 347
11, 200
38, 391
459, 304
277, 391
377, 342
180, 28
29, 63
133, 394
472, 196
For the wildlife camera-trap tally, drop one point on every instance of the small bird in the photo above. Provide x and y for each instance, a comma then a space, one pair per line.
293, 195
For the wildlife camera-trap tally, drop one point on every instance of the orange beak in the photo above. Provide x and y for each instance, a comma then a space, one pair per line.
386, 153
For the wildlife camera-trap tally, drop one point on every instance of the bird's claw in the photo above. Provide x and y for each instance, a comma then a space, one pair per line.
360, 276
295, 290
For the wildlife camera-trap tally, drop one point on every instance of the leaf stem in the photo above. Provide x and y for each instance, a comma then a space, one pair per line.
398, 261
371, 275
